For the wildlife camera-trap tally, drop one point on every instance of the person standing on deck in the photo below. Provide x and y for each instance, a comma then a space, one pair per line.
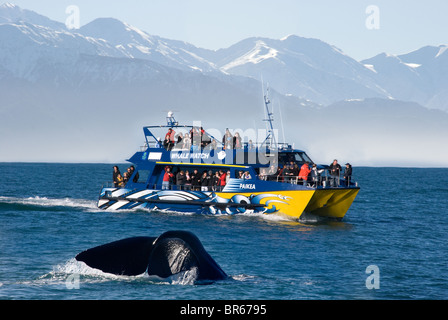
181, 179
222, 177
348, 174
304, 172
335, 171
115, 175
169, 139
167, 178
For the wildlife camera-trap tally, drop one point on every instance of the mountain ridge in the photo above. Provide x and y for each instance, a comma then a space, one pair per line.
63, 87
305, 67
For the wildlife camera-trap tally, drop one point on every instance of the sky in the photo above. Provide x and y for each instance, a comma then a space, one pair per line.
360, 28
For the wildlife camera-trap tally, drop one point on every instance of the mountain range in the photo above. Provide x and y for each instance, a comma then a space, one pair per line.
109, 77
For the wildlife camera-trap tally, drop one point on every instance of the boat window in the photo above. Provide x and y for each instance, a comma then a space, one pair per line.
302, 157
298, 158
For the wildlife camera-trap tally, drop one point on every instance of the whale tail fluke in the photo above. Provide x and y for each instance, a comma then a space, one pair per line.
127, 257
172, 253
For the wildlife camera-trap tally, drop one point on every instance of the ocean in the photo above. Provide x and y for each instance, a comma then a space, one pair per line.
391, 245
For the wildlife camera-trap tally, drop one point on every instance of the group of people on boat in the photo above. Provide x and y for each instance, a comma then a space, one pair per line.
232, 142
291, 173
121, 180
308, 174
335, 173
215, 181
198, 138
197, 181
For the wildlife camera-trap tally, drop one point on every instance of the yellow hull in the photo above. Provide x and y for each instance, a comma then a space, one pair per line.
331, 203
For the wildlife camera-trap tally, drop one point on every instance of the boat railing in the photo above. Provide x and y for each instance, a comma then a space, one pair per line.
171, 186
187, 187
108, 184
321, 181
313, 182
207, 147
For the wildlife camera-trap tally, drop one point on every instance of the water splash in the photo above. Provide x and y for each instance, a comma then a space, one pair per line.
71, 271
188, 277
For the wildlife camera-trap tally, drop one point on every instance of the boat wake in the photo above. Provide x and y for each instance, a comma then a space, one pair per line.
32, 203
38, 203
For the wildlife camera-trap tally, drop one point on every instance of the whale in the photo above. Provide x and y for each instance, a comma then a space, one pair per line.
172, 253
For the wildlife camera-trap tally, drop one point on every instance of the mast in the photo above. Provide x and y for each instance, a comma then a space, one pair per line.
270, 138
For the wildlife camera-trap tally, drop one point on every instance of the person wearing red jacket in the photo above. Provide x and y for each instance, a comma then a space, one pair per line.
168, 143
222, 177
304, 172
167, 178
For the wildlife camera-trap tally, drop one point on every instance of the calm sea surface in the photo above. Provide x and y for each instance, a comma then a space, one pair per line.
392, 244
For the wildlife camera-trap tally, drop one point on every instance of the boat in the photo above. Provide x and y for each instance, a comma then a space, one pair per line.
259, 177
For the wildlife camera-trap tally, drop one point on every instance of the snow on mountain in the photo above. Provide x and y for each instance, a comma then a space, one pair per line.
258, 53
138, 44
419, 76
25, 46
11, 13
307, 68
424, 54
401, 79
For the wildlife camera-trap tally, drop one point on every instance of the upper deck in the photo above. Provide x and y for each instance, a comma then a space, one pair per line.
190, 147
192, 144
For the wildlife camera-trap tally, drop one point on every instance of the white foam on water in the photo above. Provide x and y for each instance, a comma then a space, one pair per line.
73, 272
243, 277
188, 277
51, 202
268, 216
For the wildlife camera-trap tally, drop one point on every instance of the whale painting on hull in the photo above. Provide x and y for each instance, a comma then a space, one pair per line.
170, 254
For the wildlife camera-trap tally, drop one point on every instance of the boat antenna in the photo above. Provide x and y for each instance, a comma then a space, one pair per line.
170, 121
269, 119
